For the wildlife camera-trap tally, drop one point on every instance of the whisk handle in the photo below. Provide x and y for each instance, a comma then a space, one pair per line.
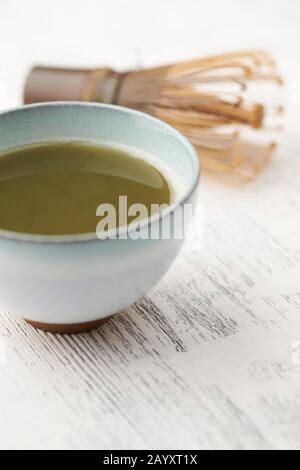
63, 84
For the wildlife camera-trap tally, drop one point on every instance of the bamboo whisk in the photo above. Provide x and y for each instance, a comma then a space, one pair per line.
206, 99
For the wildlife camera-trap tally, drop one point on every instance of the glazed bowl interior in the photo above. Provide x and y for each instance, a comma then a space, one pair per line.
108, 125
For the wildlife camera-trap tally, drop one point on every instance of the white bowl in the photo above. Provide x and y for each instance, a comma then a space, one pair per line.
72, 283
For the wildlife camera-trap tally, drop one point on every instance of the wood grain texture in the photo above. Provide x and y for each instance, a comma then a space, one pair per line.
210, 358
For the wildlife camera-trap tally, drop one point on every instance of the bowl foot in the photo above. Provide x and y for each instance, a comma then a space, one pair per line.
69, 328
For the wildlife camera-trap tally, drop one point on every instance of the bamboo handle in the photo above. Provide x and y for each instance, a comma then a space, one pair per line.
61, 84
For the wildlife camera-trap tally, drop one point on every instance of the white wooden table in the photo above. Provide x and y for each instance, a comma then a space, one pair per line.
211, 357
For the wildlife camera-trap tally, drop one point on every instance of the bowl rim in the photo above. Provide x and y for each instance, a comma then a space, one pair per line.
126, 229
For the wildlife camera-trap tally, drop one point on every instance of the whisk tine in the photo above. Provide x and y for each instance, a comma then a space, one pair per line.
178, 94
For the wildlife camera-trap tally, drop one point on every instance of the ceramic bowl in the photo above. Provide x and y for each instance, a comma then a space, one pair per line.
73, 283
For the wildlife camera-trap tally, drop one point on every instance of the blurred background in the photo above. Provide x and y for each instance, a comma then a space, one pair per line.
135, 33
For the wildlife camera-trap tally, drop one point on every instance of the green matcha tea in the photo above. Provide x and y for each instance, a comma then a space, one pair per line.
55, 188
